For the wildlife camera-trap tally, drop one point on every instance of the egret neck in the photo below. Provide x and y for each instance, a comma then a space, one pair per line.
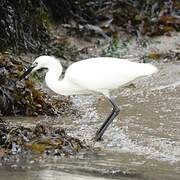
52, 77
58, 85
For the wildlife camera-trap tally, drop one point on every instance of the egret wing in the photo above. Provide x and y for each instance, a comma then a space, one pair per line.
104, 73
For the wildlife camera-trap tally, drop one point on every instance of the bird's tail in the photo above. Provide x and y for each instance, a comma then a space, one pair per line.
148, 69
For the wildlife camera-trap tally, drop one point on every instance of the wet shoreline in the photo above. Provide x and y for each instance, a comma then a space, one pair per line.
143, 141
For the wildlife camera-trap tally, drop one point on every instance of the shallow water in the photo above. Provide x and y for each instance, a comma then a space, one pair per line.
143, 142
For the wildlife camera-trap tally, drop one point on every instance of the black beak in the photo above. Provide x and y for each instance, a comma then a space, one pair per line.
26, 72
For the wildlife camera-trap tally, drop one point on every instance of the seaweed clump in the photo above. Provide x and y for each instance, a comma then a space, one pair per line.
22, 98
42, 138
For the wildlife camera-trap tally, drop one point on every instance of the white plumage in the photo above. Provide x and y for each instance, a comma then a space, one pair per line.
100, 75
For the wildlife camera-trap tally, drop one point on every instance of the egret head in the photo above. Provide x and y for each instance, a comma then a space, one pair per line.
44, 62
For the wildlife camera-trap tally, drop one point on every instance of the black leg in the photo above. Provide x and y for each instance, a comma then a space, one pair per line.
107, 122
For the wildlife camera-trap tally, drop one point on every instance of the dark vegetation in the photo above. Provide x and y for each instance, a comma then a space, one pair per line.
24, 25
27, 27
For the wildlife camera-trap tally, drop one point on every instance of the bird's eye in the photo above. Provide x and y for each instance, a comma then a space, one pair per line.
35, 63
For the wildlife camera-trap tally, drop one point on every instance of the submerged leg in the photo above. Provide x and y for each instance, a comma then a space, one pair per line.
107, 122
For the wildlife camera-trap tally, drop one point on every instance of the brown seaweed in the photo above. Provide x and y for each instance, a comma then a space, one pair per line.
22, 97
42, 138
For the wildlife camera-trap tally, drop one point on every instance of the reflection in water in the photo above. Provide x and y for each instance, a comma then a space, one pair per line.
49, 175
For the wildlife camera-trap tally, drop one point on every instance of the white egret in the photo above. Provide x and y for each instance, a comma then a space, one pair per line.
95, 75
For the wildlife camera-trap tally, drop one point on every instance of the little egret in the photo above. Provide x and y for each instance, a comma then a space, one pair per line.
100, 75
